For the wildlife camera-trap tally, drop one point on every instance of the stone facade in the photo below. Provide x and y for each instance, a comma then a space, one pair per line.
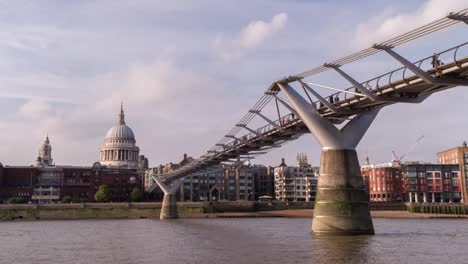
296, 183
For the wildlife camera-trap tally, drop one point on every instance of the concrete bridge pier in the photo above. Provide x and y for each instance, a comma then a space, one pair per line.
169, 204
169, 207
342, 203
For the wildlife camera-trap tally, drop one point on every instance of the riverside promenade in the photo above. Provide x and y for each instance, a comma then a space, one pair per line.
152, 210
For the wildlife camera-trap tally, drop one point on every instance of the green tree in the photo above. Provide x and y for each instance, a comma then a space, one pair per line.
136, 195
67, 199
16, 200
103, 195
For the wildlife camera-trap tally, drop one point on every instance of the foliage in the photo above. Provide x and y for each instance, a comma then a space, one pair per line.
67, 199
136, 195
16, 200
103, 195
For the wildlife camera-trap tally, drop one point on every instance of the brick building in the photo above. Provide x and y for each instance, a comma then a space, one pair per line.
413, 182
384, 182
459, 156
432, 183
120, 168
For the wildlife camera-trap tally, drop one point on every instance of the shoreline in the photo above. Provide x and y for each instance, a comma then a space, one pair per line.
185, 213
308, 213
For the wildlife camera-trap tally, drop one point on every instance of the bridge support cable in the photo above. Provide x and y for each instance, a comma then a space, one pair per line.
427, 29
342, 205
285, 105
277, 108
251, 130
319, 97
369, 94
334, 89
426, 77
271, 122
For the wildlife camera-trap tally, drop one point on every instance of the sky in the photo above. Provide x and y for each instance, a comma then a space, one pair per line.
187, 71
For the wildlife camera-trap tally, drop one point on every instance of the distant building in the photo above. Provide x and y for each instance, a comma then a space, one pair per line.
121, 169
119, 149
45, 154
264, 181
296, 183
413, 182
432, 183
206, 185
239, 182
458, 155
384, 182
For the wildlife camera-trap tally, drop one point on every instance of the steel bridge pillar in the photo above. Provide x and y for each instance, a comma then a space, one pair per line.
342, 202
169, 204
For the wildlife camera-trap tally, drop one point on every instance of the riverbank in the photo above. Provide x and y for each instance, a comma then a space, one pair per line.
308, 213
190, 210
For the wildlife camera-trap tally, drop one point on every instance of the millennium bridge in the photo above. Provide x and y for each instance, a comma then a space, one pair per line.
338, 122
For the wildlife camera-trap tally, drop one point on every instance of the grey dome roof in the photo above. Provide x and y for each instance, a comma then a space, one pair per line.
120, 131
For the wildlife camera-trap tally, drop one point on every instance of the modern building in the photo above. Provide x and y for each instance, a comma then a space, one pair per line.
432, 183
206, 185
413, 182
121, 169
384, 182
458, 155
296, 183
264, 181
239, 182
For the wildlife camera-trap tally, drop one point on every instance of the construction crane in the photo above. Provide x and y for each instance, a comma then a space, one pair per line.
398, 159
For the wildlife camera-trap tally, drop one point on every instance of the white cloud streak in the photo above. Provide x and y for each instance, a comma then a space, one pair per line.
250, 37
389, 24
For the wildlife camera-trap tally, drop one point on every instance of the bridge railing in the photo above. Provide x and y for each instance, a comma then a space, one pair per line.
452, 55
266, 129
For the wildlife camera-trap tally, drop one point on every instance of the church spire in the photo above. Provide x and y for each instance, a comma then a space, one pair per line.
121, 115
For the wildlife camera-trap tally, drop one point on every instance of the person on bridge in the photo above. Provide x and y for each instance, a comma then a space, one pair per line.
436, 63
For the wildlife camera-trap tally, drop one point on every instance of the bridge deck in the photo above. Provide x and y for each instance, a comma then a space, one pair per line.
290, 127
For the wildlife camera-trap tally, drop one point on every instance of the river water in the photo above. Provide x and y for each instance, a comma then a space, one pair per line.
239, 240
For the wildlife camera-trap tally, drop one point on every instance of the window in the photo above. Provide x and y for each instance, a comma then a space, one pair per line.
429, 175
455, 181
454, 174
437, 174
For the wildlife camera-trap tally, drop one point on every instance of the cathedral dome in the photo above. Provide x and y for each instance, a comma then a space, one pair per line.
119, 147
120, 132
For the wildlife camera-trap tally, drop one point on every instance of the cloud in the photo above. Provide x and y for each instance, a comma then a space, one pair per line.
36, 109
389, 24
250, 37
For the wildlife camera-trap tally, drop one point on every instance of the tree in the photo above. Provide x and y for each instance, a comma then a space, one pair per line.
136, 195
103, 195
16, 200
67, 199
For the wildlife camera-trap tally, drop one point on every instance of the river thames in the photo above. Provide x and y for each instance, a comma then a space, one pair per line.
233, 240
